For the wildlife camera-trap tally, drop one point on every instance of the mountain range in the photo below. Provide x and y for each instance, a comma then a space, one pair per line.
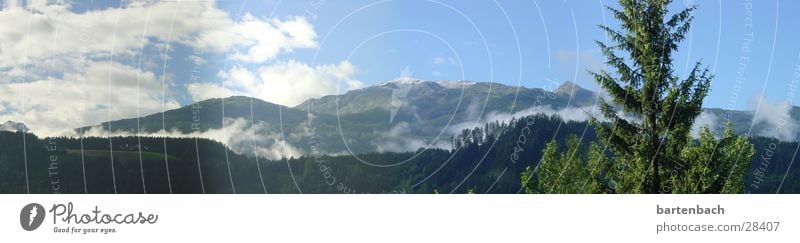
400, 115
481, 137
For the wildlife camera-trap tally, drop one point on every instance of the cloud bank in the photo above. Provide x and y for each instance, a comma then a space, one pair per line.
286, 83
238, 134
63, 67
776, 115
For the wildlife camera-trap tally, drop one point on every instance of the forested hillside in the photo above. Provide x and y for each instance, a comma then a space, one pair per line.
488, 159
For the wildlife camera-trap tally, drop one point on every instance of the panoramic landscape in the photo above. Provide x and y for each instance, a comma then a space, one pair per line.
370, 146
628, 97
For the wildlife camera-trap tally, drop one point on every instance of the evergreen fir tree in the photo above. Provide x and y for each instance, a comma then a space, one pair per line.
659, 107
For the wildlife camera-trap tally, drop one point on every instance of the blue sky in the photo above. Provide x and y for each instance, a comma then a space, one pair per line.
99, 62
531, 42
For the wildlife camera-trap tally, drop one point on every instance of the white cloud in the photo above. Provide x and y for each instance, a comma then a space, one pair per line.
776, 115
56, 31
400, 139
442, 61
566, 114
259, 40
705, 119
53, 106
55, 71
287, 83
196, 60
238, 134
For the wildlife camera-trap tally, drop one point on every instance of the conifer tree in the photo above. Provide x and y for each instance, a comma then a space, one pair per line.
713, 166
657, 108
568, 171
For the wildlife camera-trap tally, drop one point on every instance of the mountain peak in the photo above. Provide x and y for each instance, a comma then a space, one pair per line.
404, 80
566, 87
13, 127
407, 81
577, 94
455, 84
570, 88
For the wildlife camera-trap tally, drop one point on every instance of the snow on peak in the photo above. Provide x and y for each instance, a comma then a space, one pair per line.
454, 84
405, 80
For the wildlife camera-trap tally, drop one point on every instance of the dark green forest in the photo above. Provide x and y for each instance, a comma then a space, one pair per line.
488, 159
